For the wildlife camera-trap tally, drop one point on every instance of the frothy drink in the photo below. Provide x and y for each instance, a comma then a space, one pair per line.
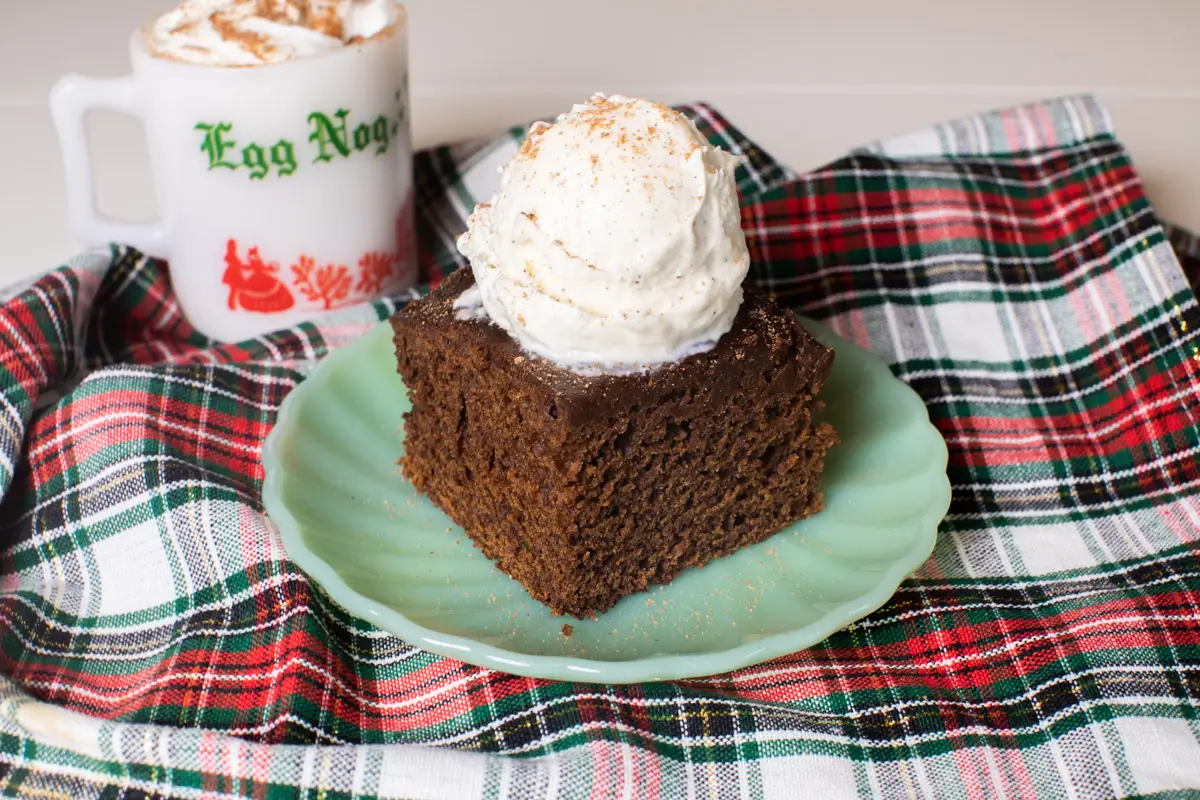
278, 137
246, 33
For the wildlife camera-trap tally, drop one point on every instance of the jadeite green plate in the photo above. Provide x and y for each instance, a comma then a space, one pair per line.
350, 520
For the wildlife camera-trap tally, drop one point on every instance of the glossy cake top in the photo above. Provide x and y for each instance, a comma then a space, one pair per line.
763, 336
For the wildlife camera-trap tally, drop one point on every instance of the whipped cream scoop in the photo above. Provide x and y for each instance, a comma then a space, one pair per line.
236, 33
614, 242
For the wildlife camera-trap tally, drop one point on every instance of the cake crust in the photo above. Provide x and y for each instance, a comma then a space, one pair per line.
587, 489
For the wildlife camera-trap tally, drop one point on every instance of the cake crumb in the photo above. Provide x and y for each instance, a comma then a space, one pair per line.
567, 630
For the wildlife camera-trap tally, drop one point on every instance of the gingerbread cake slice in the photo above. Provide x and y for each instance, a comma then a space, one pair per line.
586, 489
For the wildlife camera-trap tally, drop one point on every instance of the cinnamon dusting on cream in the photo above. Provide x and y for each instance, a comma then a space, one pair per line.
242, 33
609, 243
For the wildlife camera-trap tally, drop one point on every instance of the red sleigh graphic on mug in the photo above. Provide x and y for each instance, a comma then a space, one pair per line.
253, 284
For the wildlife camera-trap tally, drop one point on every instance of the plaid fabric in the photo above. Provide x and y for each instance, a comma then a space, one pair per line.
158, 643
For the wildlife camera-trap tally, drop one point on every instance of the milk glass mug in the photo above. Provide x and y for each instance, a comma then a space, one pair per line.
285, 189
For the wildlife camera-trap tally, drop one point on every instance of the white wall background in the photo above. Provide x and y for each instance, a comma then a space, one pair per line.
807, 80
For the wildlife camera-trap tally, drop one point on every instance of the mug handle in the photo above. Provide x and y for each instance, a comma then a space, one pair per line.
70, 99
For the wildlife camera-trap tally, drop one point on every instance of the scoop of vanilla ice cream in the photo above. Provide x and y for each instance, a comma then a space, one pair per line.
614, 242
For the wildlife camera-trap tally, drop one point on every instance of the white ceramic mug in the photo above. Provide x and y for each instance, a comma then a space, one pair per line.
285, 190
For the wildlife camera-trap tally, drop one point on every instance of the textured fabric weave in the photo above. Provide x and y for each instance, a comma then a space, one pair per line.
155, 641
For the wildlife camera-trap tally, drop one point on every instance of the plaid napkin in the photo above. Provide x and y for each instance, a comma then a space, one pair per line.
157, 642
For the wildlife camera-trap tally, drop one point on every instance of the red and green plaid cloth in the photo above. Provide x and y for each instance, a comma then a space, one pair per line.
156, 641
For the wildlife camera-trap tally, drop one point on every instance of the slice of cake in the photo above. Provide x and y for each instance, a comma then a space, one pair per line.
596, 401
586, 489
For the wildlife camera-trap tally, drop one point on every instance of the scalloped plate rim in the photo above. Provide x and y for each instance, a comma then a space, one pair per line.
657, 668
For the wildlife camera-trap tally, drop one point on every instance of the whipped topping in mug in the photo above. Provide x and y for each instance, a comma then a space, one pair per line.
244, 33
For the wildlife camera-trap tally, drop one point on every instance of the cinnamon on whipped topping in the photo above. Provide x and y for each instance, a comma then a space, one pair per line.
240, 33
614, 242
